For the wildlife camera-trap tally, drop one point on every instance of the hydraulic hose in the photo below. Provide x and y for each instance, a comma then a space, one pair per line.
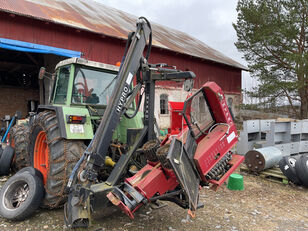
150, 38
71, 179
136, 111
8, 129
77, 165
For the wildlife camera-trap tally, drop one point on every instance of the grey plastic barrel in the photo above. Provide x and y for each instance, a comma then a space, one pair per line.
262, 158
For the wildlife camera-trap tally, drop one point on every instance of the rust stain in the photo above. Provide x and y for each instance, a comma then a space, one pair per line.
95, 17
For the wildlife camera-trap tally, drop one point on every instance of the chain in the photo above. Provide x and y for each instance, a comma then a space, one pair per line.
41, 121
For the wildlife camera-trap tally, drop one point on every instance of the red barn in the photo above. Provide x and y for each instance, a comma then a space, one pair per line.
35, 33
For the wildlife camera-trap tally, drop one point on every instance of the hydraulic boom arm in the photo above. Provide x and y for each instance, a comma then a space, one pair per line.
199, 155
83, 181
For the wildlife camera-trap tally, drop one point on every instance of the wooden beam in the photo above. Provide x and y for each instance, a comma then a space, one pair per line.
32, 58
8, 66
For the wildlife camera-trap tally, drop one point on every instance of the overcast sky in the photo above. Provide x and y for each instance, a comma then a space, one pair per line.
207, 20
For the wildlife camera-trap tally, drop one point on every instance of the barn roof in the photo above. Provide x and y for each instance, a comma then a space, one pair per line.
95, 17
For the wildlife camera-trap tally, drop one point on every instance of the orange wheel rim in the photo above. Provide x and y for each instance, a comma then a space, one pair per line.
13, 146
41, 154
12, 141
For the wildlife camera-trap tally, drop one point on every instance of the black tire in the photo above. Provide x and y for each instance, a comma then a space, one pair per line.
32, 171
20, 136
149, 149
63, 155
161, 154
287, 166
301, 167
6, 160
21, 196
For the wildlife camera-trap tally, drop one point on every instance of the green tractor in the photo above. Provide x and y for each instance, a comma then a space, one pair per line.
60, 131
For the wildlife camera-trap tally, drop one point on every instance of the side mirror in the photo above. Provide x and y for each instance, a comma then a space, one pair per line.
42, 73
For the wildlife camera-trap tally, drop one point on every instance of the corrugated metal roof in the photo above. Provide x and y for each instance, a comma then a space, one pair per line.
95, 17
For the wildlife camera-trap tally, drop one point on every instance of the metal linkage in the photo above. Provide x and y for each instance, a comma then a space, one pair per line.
128, 199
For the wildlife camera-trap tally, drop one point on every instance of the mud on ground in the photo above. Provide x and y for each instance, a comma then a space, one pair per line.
263, 205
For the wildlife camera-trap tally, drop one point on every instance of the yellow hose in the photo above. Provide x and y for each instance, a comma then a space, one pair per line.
109, 161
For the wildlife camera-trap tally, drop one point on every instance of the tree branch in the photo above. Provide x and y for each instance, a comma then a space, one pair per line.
290, 101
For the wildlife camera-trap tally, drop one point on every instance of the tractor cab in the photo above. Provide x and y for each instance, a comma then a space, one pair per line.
82, 89
80, 82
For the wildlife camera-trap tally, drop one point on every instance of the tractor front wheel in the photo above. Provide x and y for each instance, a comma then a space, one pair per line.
53, 156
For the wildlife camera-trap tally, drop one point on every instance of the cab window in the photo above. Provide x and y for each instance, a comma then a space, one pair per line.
62, 85
92, 86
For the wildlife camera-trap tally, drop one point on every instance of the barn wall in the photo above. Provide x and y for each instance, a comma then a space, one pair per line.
174, 94
179, 95
110, 50
14, 98
94, 47
228, 78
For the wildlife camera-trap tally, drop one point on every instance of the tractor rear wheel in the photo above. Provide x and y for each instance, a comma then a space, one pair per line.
53, 156
19, 141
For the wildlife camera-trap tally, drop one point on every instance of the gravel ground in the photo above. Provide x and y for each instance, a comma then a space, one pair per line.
263, 205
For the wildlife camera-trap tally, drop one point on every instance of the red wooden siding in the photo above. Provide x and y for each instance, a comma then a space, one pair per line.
110, 50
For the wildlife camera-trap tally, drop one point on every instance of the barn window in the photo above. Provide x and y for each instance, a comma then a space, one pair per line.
164, 104
230, 102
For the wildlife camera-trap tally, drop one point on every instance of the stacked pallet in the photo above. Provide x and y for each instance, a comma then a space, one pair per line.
290, 137
272, 174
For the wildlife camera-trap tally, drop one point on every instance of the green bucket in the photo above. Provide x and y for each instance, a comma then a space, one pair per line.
236, 182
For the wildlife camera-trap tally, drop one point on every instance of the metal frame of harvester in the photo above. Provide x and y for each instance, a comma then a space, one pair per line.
199, 155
